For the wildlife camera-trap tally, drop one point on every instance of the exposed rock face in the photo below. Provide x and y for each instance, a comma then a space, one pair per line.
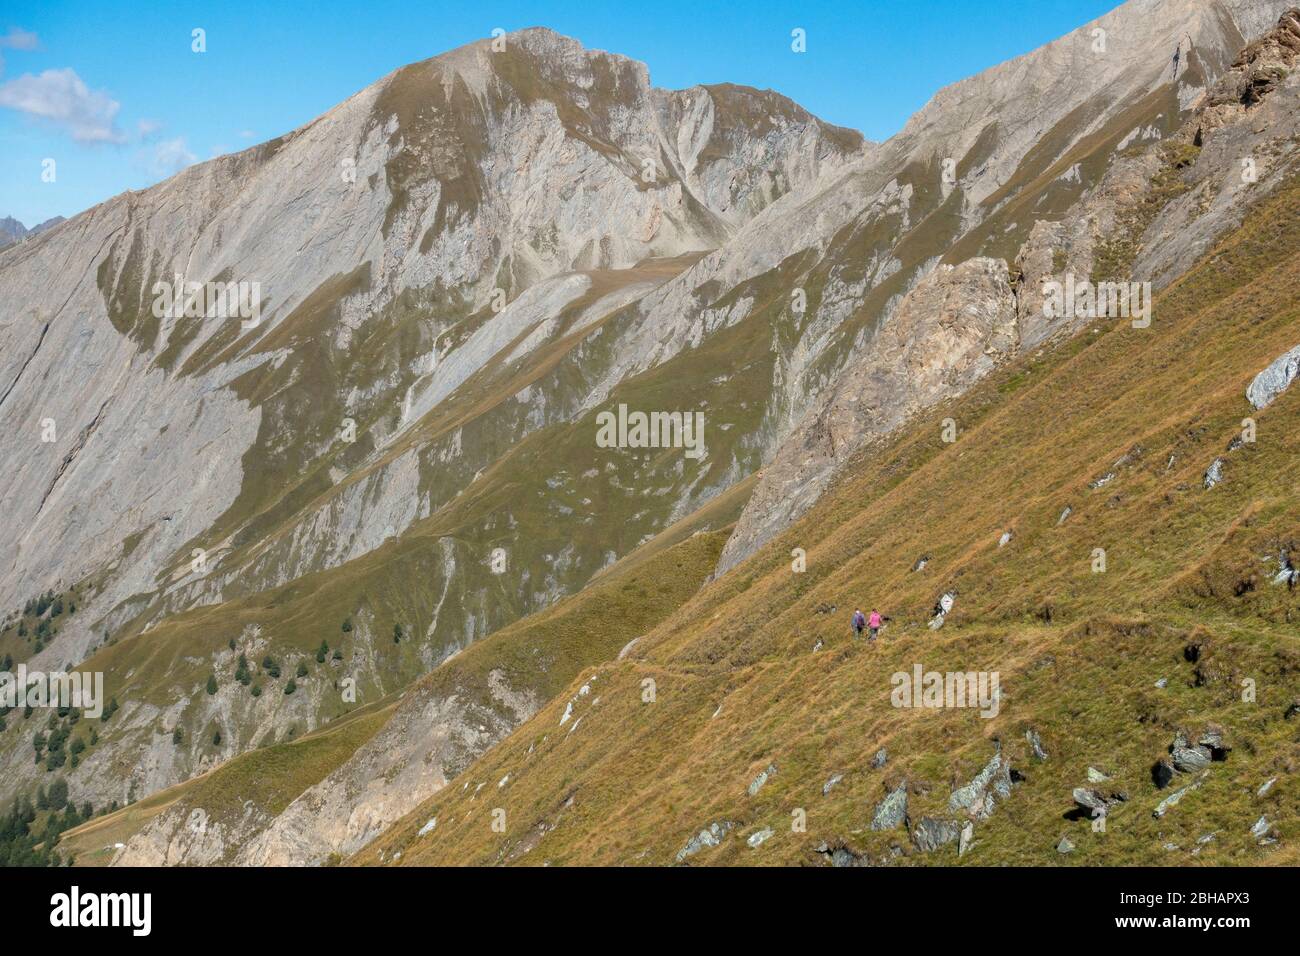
427, 741
1054, 248
945, 335
1258, 71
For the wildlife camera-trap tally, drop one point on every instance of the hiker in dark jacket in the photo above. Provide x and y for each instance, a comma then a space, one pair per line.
859, 622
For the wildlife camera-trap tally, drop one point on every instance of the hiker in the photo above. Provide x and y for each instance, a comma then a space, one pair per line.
874, 624
859, 622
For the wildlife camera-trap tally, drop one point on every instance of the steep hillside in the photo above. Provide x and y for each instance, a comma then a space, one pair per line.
1177, 653
326, 794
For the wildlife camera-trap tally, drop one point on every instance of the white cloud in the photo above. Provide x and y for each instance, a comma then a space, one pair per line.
170, 157
246, 134
60, 97
147, 127
19, 39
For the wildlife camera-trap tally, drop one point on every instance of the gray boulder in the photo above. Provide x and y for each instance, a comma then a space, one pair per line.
1214, 474
1263, 831
892, 810
1191, 759
705, 838
931, 833
1273, 381
1091, 799
1036, 744
967, 838
976, 797
1165, 805
757, 783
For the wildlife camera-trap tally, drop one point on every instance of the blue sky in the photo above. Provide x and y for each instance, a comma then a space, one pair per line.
113, 93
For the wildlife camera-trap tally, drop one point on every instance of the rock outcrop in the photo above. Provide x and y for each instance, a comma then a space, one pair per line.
945, 334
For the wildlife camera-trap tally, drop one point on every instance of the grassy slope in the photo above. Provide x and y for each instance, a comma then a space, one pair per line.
541, 654
1079, 653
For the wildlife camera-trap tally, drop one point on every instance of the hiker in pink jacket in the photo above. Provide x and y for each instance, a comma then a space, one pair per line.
874, 623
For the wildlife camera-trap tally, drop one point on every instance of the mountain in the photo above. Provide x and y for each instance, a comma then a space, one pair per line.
201, 468
338, 559
11, 230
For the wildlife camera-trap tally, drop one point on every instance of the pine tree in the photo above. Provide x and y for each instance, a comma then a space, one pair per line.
58, 795
321, 651
290, 687
212, 684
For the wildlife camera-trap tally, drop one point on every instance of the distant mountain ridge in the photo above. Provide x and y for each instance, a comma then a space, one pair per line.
11, 230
